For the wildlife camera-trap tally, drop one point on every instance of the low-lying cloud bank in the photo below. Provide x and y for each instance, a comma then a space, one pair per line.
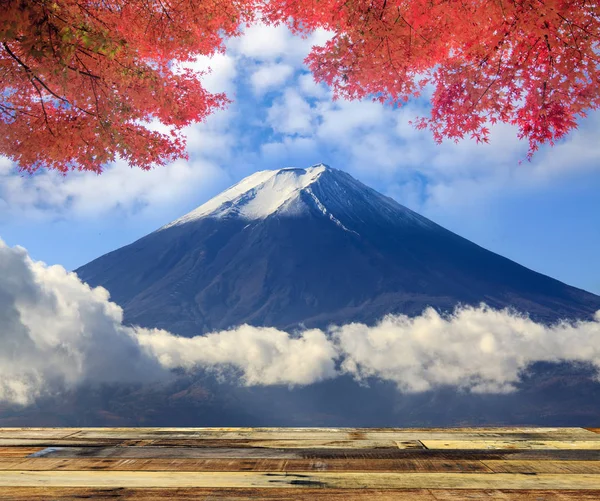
56, 333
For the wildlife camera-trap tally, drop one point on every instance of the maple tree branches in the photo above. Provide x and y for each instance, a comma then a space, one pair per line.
82, 80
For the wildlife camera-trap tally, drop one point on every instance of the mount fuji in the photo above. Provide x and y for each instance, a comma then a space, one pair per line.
313, 247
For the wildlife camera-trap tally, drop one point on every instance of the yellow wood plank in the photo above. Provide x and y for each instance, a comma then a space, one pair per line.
373, 480
562, 467
512, 444
11, 463
47, 442
483, 429
37, 433
504, 495
20, 452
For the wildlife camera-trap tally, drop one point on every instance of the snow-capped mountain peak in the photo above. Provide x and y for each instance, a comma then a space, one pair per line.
258, 195
294, 191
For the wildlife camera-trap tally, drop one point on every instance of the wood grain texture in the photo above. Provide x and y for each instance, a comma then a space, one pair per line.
39, 433
341, 434
49, 442
195, 494
312, 430
236, 443
149, 452
510, 495
263, 465
318, 464
329, 480
512, 444
534, 467
19, 452
293, 444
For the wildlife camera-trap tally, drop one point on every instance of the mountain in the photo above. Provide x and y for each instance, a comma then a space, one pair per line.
313, 247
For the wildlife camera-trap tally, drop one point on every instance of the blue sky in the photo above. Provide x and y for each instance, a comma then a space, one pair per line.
544, 214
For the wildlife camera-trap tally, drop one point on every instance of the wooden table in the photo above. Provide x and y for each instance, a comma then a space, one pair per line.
299, 464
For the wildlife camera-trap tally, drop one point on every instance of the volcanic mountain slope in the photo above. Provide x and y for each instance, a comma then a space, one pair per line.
313, 247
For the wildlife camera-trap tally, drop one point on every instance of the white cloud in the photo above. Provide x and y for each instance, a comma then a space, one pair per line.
85, 194
58, 333
270, 76
479, 349
265, 356
218, 72
291, 114
308, 87
264, 42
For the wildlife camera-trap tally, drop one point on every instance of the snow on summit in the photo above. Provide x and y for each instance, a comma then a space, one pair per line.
258, 195
331, 192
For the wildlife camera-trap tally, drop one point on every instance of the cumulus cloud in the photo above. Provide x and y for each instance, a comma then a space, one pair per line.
57, 333
217, 72
291, 114
479, 349
83, 195
270, 76
268, 43
265, 356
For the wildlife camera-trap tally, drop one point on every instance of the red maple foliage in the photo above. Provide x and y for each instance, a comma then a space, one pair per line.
529, 63
82, 79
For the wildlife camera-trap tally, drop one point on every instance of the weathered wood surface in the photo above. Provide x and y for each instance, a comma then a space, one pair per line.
511, 444
269, 480
300, 464
150, 451
308, 494
264, 465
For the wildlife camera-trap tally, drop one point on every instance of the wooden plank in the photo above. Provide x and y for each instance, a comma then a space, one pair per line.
203, 494
264, 465
512, 444
332, 480
311, 430
39, 433
593, 430
11, 463
149, 452
503, 495
534, 467
49, 442
195, 494
20, 452
269, 444
357, 434
293, 444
